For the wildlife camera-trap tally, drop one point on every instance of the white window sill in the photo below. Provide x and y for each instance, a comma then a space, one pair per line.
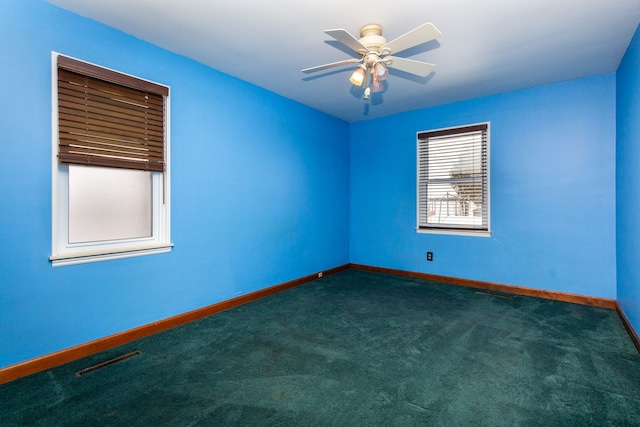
453, 231
73, 258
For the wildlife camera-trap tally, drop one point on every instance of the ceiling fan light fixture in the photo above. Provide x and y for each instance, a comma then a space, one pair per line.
380, 70
376, 84
357, 78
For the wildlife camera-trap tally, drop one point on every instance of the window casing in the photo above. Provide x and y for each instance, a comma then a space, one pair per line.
110, 164
453, 180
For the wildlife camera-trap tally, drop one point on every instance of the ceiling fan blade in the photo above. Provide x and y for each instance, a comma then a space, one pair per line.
331, 65
419, 68
344, 37
422, 34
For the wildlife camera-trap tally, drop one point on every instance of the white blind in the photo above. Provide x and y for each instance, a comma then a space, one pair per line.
453, 178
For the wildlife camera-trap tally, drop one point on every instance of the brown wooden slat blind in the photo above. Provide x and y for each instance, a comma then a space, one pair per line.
117, 122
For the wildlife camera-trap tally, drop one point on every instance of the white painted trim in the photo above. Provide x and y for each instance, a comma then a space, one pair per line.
454, 231
94, 256
55, 236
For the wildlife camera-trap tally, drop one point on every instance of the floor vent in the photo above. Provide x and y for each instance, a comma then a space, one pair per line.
107, 363
493, 295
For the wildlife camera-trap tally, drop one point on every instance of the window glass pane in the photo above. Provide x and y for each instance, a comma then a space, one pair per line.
447, 206
108, 204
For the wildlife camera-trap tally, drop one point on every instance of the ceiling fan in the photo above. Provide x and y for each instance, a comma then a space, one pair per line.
375, 54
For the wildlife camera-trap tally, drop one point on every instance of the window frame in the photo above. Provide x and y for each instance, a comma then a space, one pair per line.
461, 231
65, 253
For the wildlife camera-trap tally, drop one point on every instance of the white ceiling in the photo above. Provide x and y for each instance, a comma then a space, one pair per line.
486, 47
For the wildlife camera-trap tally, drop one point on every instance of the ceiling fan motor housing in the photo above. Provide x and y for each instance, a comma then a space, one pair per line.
371, 38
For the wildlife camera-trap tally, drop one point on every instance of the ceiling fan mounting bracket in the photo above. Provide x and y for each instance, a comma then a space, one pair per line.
371, 30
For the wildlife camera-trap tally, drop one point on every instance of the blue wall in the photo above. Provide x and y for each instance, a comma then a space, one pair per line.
265, 190
552, 190
628, 182
259, 190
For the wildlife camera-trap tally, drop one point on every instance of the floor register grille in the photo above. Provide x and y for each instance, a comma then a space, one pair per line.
107, 363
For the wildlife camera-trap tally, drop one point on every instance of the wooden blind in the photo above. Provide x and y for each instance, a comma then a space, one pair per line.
109, 119
453, 178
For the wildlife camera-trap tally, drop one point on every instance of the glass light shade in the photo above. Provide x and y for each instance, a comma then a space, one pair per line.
380, 70
358, 76
376, 85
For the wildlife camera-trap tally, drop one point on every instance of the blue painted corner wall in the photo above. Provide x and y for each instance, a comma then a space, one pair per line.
259, 190
552, 174
265, 190
628, 181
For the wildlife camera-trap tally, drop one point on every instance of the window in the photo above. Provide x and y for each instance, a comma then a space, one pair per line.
110, 164
453, 180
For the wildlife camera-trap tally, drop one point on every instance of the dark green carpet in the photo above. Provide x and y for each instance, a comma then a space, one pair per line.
356, 349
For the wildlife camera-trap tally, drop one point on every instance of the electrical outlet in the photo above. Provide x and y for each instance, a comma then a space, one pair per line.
429, 256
